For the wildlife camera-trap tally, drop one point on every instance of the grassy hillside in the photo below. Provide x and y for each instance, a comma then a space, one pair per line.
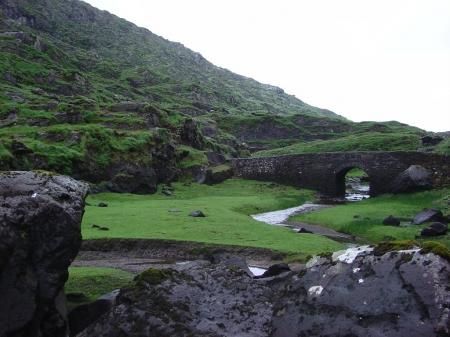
370, 141
86, 93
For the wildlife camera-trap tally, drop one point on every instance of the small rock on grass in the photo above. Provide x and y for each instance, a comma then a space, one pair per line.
391, 221
102, 204
197, 214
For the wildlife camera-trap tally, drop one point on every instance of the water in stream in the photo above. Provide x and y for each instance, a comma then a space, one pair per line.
356, 189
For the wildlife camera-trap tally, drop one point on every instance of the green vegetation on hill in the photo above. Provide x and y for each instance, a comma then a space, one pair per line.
71, 74
371, 141
227, 207
364, 219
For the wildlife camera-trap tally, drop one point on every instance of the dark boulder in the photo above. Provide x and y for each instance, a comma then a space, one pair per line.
370, 296
197, 214
39, 238
391, 221
435, 229
388, 294
218, 174
428, 215
274, 270
414, 178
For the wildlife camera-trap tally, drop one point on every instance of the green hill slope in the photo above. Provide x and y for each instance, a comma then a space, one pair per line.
85, 93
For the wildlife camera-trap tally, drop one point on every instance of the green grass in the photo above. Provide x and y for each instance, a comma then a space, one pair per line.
370, 141
443, 147
94, 282
227, 207
364, 218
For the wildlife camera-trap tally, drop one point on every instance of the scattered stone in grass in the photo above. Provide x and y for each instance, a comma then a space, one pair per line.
356, 216
103, 228
95, 226
303, 230
434, 229
391, 221
197, 214
167, 192
102, 204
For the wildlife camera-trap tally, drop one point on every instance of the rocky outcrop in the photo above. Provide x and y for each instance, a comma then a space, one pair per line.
39, 237
355, 293
191, 135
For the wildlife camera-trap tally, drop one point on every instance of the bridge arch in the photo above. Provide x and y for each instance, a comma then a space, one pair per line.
341, 180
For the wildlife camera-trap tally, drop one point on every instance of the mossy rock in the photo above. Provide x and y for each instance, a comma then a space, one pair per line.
390, 246
152, 276
436, 248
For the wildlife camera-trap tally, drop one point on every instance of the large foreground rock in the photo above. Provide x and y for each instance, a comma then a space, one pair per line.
396, 294
39, 237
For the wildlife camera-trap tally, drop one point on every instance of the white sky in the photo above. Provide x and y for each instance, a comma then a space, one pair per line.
364, 59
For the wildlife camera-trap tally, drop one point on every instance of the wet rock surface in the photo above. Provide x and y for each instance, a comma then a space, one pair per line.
396, 294
39, 237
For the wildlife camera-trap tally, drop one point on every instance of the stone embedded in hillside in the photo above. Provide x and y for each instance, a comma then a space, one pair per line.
134, 179
191, 135
428, 215
435, 229
39, 237
391, 221
414, 178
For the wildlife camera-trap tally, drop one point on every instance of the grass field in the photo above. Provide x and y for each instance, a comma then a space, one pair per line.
94, 282
364, 218
227, 207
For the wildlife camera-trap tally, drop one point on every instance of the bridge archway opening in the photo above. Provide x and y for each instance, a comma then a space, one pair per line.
353, 184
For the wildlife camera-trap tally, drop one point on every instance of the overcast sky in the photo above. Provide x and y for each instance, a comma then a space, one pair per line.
366, 60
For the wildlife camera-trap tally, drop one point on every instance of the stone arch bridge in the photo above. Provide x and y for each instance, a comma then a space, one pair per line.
326, 172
